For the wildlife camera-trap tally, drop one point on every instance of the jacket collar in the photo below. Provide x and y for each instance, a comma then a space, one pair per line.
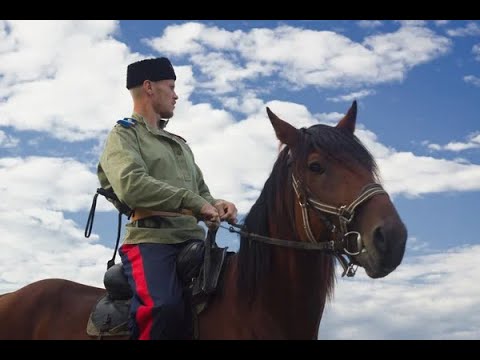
156, 130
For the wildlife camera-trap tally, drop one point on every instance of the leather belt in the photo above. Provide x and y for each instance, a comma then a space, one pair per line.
141, 213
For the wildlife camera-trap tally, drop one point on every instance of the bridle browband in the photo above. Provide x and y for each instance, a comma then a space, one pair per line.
341, 240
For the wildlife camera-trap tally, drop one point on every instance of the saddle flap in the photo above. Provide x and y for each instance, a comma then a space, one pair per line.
109, 317
209, 277
189, 261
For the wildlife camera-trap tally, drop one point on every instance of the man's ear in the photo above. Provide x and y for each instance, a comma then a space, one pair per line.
147, 87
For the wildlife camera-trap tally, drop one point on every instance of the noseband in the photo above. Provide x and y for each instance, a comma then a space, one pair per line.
342, 241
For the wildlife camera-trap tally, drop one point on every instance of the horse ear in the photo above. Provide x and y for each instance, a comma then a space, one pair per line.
286, 133
348, 121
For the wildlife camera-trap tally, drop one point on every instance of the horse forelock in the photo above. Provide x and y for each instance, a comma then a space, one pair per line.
341, 145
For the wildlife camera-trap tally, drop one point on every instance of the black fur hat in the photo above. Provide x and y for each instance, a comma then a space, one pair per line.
149, 69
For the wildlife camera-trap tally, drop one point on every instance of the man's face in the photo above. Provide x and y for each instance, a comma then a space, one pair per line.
164, 98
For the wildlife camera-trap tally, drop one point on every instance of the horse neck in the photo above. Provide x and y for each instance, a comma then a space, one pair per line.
297, 287
292, 290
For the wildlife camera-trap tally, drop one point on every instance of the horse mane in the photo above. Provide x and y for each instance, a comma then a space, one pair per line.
254, 258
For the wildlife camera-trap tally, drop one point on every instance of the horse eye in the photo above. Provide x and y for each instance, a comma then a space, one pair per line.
316, 167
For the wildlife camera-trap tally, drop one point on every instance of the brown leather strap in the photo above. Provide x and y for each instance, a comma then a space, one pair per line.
141, 213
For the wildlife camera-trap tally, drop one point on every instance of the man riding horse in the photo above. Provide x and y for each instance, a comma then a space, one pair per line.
153, 172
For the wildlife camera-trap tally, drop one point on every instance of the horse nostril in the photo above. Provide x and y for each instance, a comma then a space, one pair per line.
379, 240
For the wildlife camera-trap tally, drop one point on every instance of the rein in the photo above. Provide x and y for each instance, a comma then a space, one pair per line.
330, 246
340, 244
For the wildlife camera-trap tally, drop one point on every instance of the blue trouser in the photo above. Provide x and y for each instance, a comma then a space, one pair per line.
157, 309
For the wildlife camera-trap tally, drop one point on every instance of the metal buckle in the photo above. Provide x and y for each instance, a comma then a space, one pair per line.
359, 245
303, 200
350, 271
349, 268
345, 215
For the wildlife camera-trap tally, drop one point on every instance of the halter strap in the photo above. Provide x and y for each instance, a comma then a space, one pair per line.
344, 212
338, 245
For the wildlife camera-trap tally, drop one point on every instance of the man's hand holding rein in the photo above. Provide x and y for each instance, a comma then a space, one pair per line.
226, 210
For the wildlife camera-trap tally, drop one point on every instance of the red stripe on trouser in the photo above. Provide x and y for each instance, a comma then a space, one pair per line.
143, 316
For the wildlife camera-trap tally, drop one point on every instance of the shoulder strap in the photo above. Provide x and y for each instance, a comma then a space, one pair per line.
127, 122
122, 209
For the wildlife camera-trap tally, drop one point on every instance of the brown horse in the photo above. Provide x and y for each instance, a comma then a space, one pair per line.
322, 201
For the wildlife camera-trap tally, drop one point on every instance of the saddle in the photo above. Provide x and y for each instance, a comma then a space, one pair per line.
199, 266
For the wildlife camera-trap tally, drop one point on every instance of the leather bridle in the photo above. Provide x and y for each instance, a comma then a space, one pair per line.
343, 243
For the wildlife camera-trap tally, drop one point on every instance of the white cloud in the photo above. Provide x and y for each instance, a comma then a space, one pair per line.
7, 141
225, 74
476, 51
39, 44
40, 244
226, 59
329, 118
405, 48
472, 79
441, 22
56, 184
405, 173
192, 38
416, 245
412, 22
473, 142
78, 92
427, 297
471, 29
62, 77
38, 240
369, 24
352, 96
248, 103
457, 146
435, 147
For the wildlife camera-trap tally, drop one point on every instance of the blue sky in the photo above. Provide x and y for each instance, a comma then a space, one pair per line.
62, 87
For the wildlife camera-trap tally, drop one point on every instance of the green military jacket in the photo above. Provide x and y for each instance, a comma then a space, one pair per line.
154, 169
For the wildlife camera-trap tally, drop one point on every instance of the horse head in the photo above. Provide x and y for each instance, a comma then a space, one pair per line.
339, 197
